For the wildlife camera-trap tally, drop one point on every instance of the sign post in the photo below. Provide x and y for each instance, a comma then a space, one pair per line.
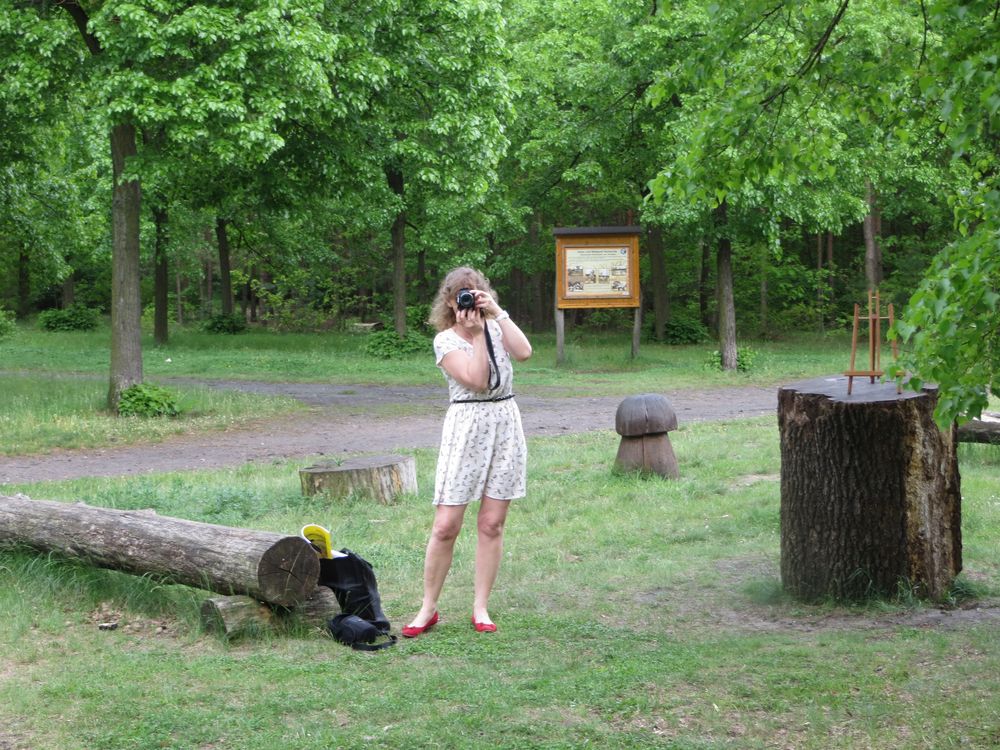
597, 267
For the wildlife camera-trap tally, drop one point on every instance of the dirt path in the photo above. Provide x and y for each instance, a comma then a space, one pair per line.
345, 420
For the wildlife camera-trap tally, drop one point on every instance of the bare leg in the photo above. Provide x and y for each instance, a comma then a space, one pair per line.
437, 560
489, 551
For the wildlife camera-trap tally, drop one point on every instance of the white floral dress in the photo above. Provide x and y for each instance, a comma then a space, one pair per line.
483, 451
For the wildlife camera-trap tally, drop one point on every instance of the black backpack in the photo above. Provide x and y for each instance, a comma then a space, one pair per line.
362, 621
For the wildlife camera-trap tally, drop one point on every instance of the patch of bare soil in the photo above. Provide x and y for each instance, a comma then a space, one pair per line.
345, 420
724, 607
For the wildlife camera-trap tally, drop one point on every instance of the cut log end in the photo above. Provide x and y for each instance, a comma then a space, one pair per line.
288, 571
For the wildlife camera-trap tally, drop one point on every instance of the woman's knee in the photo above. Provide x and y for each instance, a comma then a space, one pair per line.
490, 526
446, 530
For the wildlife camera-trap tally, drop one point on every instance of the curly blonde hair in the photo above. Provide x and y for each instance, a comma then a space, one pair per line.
442, 314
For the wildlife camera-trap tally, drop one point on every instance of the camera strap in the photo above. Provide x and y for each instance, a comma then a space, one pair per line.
494, 368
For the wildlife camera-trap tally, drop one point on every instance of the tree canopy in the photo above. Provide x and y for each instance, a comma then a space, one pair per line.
325, 162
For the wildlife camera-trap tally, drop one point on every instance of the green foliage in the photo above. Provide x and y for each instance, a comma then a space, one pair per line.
609, 319
147, 400
746, 357
7, 324
684, 330
72, 318
950, 331
389, 344
416, 318
222, 323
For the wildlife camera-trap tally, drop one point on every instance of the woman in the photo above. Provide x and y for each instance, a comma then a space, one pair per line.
483, 454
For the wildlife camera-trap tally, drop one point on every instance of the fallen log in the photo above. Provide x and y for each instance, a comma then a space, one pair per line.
233, 616
271, 567
985, 430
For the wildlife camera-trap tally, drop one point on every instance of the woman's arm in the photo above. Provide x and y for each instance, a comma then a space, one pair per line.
472, 372
514, 340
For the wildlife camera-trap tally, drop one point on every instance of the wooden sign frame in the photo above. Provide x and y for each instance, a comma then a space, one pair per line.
597, 267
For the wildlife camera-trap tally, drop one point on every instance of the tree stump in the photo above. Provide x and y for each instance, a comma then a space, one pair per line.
271, 567
378, 477
643, 422
870, 492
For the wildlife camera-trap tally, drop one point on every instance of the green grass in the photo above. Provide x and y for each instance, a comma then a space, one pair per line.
632, 612
600, 362
46, 411
57, 382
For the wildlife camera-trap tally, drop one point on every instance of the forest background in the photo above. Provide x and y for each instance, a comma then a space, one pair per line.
301, 165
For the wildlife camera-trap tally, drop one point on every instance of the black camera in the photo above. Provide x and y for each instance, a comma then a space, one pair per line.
465, 299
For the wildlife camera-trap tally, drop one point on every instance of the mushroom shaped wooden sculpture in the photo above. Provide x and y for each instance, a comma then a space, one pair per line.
643, 422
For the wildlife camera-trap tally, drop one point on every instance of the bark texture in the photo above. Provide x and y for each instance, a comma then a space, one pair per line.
382, 478
225, 273
870, 492
980, 431
234, 616
126, 303
724, 292
271, 567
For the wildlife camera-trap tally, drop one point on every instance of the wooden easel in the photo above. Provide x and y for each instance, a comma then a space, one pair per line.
875, 319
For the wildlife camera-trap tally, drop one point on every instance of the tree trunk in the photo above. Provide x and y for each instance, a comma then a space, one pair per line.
870, 492
126, 304
23, 282
819, 280
252, 298
873, 250
178, 280
724, 286
381, 478
225, 275
829, 265
271, 567
395, 178
703, 285
69, 290
207, 289
765, 266
658, 279
161, 279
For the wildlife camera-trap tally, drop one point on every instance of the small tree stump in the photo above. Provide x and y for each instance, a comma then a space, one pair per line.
643, 422
870, 495
378, 477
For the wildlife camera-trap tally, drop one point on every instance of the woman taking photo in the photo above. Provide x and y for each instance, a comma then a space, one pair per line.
483, 453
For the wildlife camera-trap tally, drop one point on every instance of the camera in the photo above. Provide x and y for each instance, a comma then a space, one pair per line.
465, 299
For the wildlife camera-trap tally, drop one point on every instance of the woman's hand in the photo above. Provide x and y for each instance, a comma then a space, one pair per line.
486, 304
470, 320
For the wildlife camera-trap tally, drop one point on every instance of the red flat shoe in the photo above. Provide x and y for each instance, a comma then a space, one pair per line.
412, 631
484, 627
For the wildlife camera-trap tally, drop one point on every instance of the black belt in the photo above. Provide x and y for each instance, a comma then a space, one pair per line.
483, 400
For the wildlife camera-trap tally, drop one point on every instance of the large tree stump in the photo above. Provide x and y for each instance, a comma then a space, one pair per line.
378, 477
234, 616
870, 495
271, 567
